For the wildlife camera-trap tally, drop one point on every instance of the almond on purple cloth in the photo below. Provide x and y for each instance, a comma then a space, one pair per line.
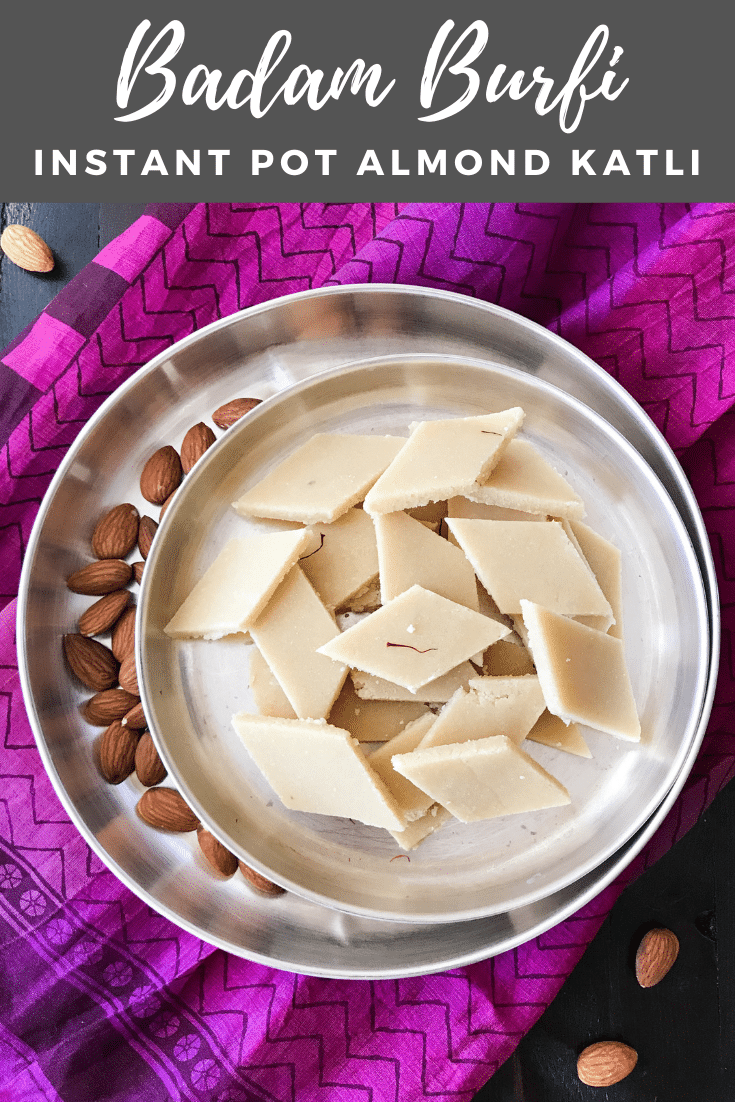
97, 578
218, 855
161, 475
91, 662
197, 440
226, 416
116, 533
101, 616
149, 768
117, 752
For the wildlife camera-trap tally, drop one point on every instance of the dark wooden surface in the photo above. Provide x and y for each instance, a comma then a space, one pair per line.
684, 1029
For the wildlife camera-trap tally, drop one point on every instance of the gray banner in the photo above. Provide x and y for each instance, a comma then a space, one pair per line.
402, 100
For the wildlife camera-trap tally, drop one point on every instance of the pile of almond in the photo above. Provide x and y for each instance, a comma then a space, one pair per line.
108, 668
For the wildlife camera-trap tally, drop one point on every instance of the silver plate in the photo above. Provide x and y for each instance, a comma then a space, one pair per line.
192, 689
262, 351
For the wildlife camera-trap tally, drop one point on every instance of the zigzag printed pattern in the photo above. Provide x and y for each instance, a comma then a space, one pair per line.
645, 290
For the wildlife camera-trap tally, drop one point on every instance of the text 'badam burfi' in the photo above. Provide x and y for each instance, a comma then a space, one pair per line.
441, 459
482, 779
322, 479
414, 639
582, 673
317, 768
238, 585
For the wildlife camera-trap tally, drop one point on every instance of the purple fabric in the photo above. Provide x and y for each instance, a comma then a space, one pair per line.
99, 997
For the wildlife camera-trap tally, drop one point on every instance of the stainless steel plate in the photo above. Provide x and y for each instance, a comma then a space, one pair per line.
260, 352
191, 689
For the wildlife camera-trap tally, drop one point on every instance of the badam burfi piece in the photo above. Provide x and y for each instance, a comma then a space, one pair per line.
605, 562
414, 638
413, 801
551, 731
466, 509
518, 561
373, 720
582, 673
522, 479
288, 633
491, 706
482, 779
322, 479
442, 459
238, 585
269, 697
314, 767
508, 658
346, 561
411, 554
439, 691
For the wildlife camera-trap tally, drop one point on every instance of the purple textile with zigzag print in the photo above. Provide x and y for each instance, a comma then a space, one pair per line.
101, 997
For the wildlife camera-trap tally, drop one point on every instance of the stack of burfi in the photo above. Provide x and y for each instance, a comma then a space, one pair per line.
485, 614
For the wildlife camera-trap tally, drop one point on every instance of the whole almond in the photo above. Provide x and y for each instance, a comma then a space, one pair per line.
149, 768
91, 661
195, 443
161, 475
98, 578
165, 809
104, 613
656, 954
218, 855
146, 531
138, 571
135, 718
122, 641
226, 415
259, 882
128, 675
605, 1063
165, 506
117, 752
116, 533
26, 249
105, 707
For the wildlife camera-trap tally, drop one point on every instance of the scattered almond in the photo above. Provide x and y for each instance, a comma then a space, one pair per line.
122, 641
259, 882
138, 571
605, 1063
135, 718
149, 768
161, 475
146, 531
128, 675
656, 954
218, 855
116, 534
117, 752
98, 578
165, 506
195, 443
104, 613
91, 661
105, 707
165, 809
226, 415
26, 249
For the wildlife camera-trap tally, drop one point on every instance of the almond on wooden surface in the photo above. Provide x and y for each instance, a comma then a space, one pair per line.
655, 956
605, 1063
25, 248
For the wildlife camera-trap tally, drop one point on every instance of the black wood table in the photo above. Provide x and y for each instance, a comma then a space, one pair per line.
683, 1029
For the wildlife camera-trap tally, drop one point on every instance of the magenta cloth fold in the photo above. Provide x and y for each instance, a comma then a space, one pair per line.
99, 996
